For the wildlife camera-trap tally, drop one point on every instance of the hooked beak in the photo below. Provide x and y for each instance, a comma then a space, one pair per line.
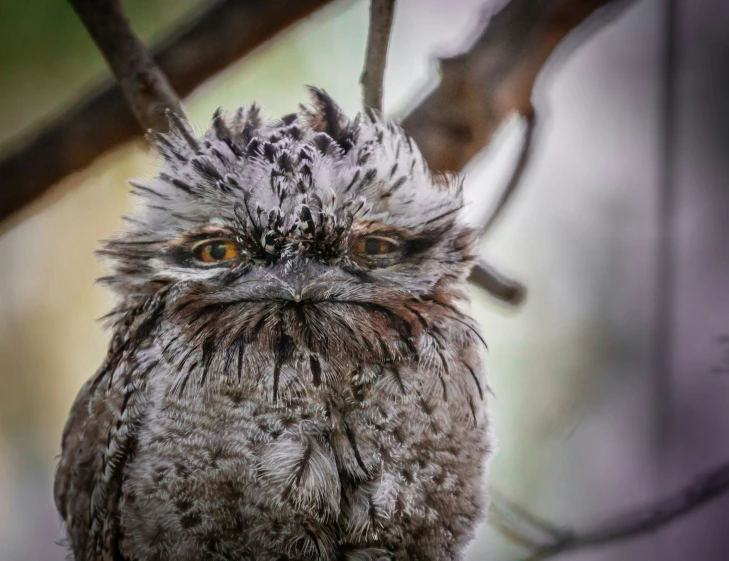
298, 280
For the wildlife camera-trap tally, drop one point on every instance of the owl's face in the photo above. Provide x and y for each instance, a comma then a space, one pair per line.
329, 232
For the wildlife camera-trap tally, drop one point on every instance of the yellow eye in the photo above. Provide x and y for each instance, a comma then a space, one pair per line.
375, 245
216, 251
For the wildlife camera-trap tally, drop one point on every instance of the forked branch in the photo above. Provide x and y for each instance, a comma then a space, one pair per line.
378, 39
481, 88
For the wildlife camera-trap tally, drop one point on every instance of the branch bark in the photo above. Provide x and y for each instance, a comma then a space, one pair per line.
520, 525
482, 87
145, 88
216, 38
378, 39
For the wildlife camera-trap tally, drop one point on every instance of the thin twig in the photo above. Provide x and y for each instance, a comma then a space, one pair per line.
511, 532
481, 88
145, 87
654, 517
516, 175
378, 39
485, 276
515, 527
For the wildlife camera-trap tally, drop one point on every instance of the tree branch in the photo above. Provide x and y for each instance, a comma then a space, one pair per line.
207, 44
378, 39
145, 88
520, 525
482, 87
512, 518
498, 285
484, 275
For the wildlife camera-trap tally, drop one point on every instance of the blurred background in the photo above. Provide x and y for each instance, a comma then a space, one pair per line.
587, 427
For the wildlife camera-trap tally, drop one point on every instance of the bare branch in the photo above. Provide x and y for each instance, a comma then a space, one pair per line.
207, 44
145, 87
378, 39
513, 527
481, 88
654, 517
483, 275
666, 264
501, 287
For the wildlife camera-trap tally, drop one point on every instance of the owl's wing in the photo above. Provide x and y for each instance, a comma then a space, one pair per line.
99, 438
81, 469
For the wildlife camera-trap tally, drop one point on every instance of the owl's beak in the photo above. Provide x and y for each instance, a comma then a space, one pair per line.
297, 285
301, 281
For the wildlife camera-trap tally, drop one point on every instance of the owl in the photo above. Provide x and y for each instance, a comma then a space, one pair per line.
293, 373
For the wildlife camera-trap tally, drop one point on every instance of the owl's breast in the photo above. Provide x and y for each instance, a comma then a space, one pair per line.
351, 462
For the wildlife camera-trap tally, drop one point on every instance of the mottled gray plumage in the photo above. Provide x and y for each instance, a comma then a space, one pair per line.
319, 394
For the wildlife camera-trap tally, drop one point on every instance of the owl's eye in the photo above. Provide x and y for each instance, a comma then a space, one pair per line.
215, 251
375, 245
377, 251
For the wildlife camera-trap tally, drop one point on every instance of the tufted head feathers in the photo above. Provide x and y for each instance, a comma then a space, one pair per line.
313, 227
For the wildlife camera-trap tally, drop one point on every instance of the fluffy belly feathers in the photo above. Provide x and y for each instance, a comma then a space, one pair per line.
330, 476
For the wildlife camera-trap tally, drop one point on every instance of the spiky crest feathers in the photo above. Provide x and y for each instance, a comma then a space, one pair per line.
309, 179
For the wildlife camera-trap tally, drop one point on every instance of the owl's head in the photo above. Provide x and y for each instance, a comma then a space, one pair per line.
328, 231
